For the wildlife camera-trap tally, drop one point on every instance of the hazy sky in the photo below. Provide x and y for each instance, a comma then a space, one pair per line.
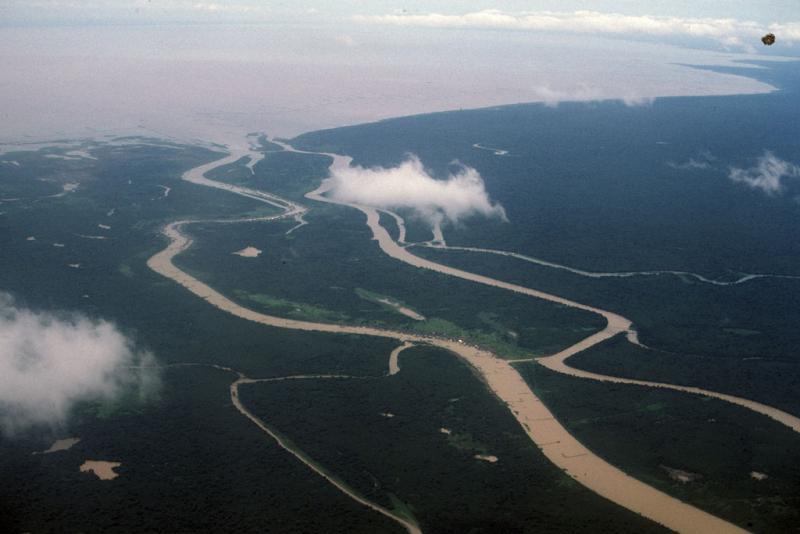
214, 70
82, 11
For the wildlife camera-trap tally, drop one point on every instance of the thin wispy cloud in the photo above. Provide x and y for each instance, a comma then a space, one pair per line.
727, 31
551, 97
410, 186
770, 174
703, 161
49, 362
218, 7
346, 40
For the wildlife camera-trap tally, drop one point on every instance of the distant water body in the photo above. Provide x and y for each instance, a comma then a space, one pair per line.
216, 82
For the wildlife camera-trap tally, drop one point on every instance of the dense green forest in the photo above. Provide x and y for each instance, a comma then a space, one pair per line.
189, 459
602, 185
316, 272
718, 337
410, 440
648, 432
605, 187
598, 186
773, 382
190, 463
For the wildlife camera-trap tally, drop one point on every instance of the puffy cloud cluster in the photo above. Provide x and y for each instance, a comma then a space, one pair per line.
49, 361
410, 186
725, 30
767, 175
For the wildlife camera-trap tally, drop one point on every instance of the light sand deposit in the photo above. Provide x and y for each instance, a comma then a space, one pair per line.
103, 470
399, 308
79, 154
248, 252
679, 475
394, 364
60, 445
495, 151
69, 187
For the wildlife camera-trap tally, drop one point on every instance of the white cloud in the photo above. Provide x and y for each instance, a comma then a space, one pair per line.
48, 362
725, 30
768, 175
346, 40
410, 186
218, 7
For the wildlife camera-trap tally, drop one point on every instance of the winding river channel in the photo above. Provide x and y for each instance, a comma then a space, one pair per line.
553, 439
438, 241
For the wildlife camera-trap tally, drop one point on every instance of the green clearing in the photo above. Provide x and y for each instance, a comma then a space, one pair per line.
297, 310
498, 341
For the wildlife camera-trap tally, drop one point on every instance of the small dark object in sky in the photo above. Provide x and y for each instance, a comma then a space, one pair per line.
768, 39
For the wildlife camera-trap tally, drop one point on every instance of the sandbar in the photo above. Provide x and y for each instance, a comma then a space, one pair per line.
102, 469
248, 252
60, 445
